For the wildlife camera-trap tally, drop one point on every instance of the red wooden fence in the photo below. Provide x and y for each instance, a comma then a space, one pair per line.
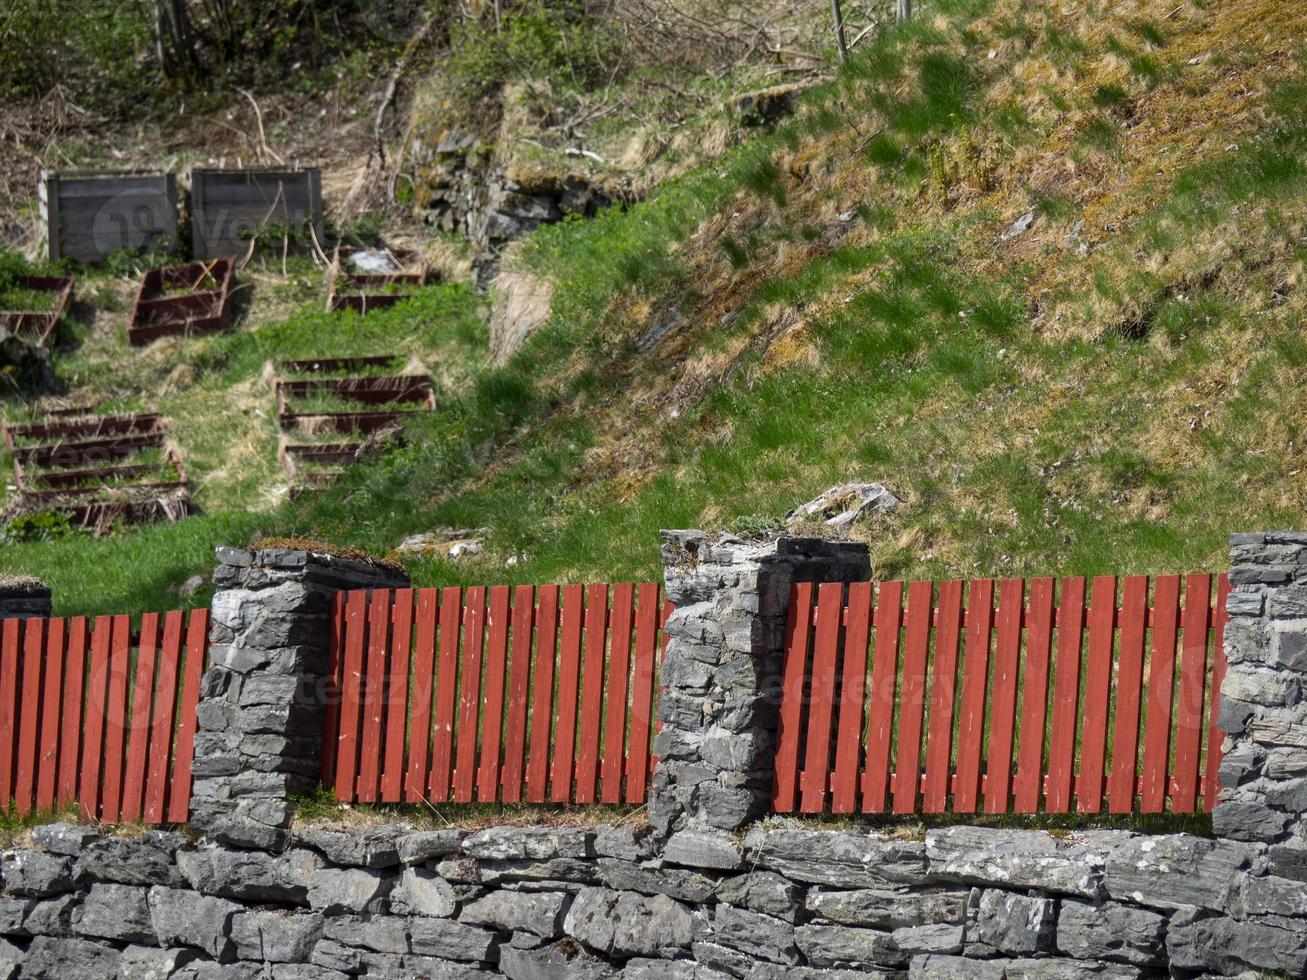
94, 716
1035, 704
509, 694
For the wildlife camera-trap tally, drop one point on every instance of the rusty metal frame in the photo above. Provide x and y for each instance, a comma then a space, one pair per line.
413, 271
189, 314
40, 323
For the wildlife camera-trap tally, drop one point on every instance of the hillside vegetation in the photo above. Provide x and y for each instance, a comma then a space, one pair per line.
1114, 388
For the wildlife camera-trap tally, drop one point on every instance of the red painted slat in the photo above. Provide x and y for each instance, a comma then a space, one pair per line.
619, 672
1066, 697
47, 763
442, 741
97, 695
542, 695
115, 736
592, 693
1212, 782
10, 630
912, 702
1155, 782
569, 685
853, 700
70, 740
163, 717
492, 727
519, 694
424, 679
975, 678
333, 688
1034, 698
374, 698
1098, 693
821, 697
29, 709
1129, 696
138, 739
943, 692
474, 630
396, 703
1193, 677
1007, 664
789, 733
197, 646
880, 718
646, 650
351, 696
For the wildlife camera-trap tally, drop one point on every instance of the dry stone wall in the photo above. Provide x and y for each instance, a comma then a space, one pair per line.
700, 890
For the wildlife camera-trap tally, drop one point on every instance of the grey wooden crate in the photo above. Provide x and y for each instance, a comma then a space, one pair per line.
228, 207
89, 213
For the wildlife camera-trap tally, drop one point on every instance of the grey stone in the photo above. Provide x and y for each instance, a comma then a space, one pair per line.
331, 955
28, 872
152, 963
64, 838
13, 913
938, 938
1274, 896
577, 870
364, 849
1173, 871
1111, 932
145, 860
623, 842
762, 891
305, 971
451, 940
1059, 969
847, 946
889, 908
52, 916
59, 958
935, 967
431, 968
184, 918
644, 969
704, 849
420, 846
1289, 646
628, 924
755, 934
678, 883
1017, 859
540, 913
555, 962
1248, 820
1288, 861
335, 891
1006, 922
249, 875
422, 892
836, 858
723, 959
276, 936
529, 844
1224, 945
380, 933
118, 912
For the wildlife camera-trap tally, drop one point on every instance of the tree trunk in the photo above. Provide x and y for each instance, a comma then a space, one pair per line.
837, 15
905, 9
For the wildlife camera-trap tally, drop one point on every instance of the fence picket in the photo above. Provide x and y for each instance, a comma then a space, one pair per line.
615, 694
1129, 694
179, 787
1002, 726
975, 678
52, 688
395, 704
162, 718
646, 651
115, 735
368, 785
821, 698
492, 725
592, 693
853, 690
1066, 696
542, 694
474, 639
96, 698
788, 734
1098, 690
424, 678
70, 740
884, 674
1154, 786
569, 687
1028, 785
446, 686
29, 708
939, 740
912, 703
138, 728
523, 622
1193, 676
351, 695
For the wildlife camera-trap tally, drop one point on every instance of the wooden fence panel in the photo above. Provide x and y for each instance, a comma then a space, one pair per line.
864, 679
479, 719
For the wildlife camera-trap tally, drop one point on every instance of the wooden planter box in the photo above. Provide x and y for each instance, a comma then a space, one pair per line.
39, 325
182, 314
360, 291
67, 468
229, 207
90, 213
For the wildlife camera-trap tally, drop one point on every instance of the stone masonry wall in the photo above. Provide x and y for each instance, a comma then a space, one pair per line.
781, 902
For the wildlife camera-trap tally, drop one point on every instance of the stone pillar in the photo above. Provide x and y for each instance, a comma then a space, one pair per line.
258, 739
23, 598
721, 674
1263, 713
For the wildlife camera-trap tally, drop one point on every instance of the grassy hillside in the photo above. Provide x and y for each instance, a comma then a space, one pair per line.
1115, 388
